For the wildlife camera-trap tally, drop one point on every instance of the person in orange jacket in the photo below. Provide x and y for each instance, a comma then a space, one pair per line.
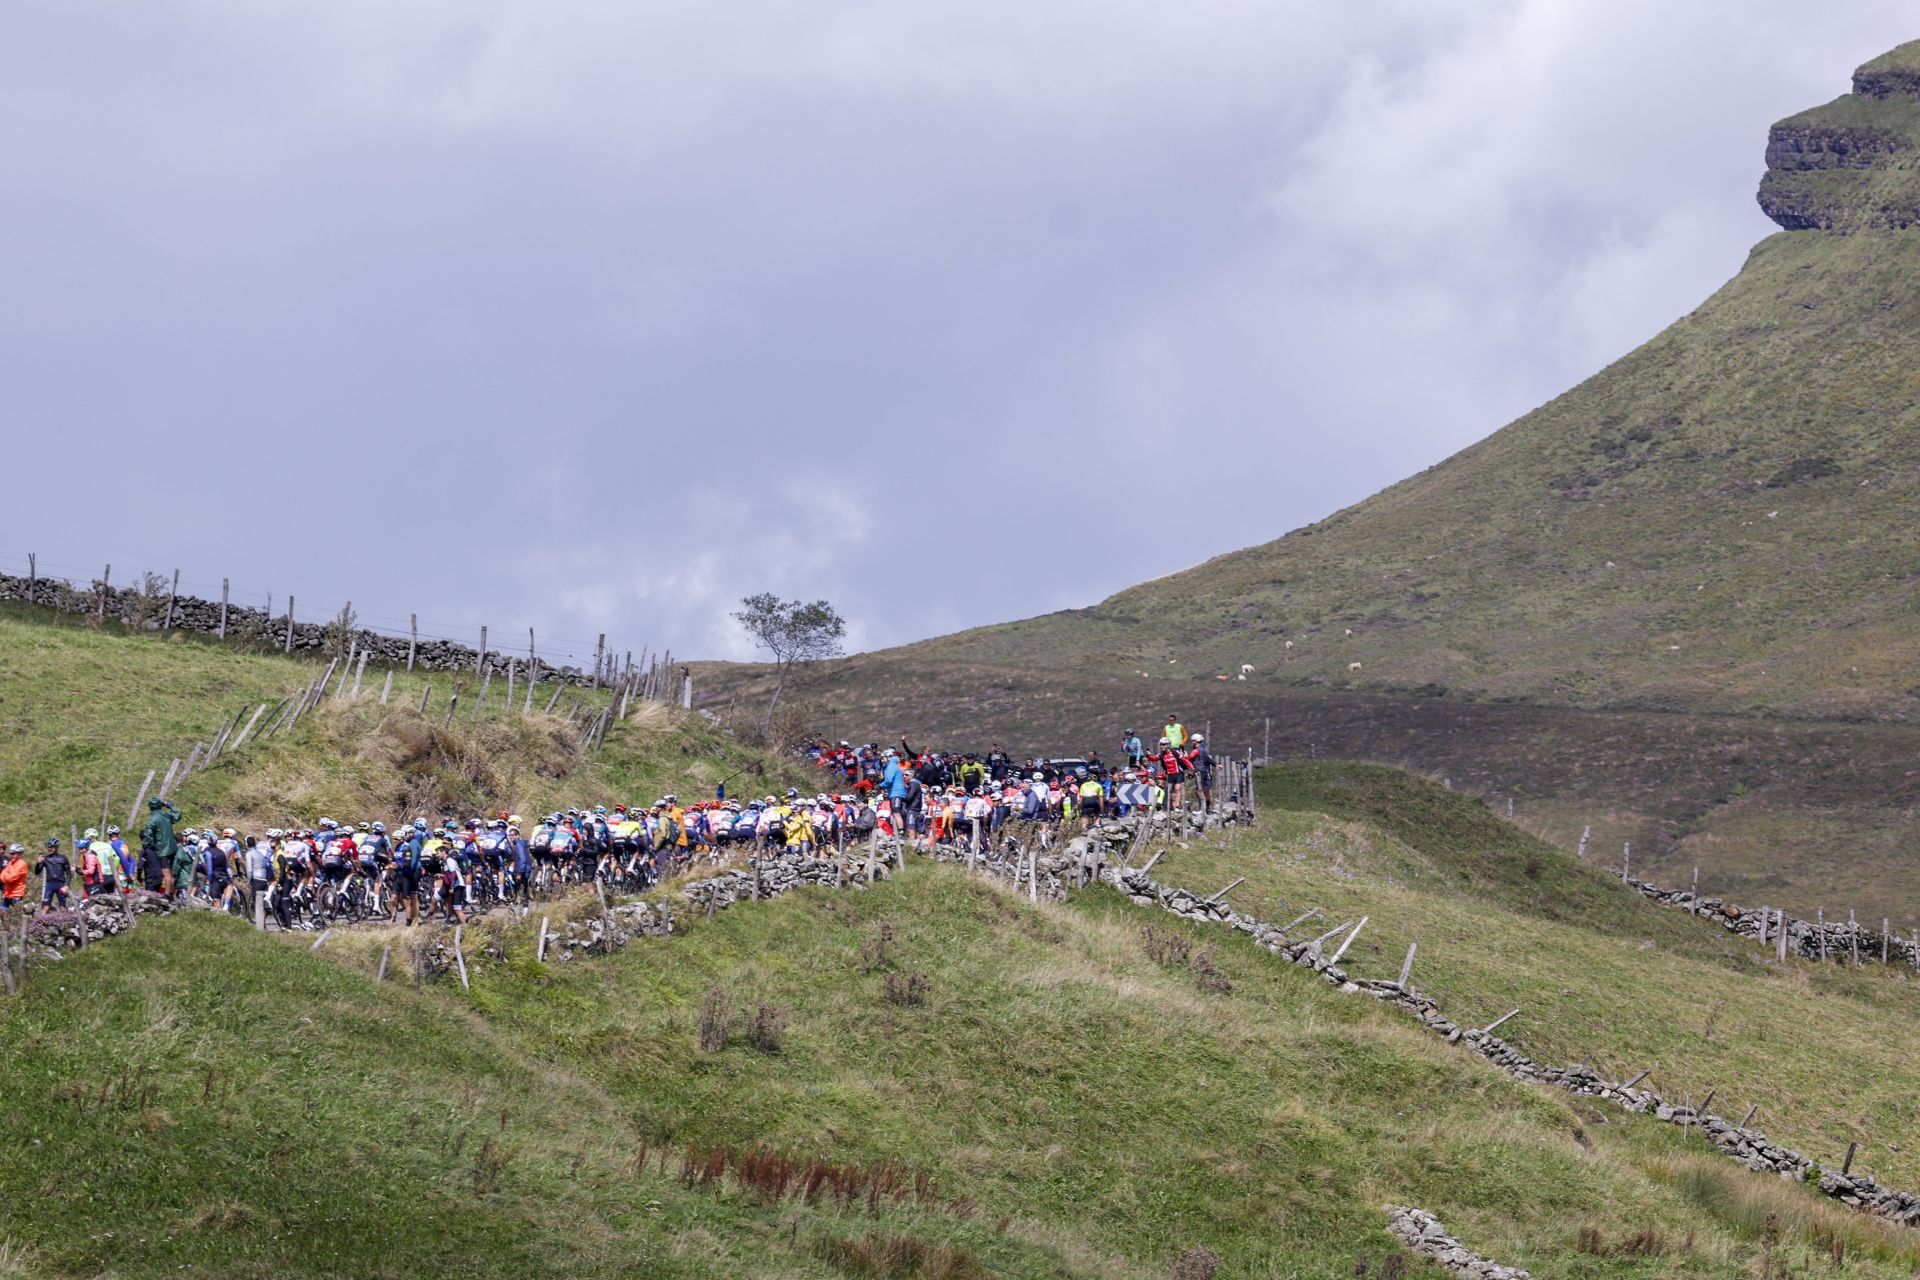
13, 878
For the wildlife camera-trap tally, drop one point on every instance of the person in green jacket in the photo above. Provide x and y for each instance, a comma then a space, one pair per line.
158, 848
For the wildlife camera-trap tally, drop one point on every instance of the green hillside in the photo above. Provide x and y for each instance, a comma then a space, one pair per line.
1719, 521
1048, 1100
1075, 1107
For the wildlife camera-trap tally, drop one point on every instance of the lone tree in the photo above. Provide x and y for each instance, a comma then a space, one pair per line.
792, 632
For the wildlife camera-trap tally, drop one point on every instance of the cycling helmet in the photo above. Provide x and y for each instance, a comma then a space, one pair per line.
379, 828
91, 833
230, 832
1199, 737
419, 824
16, 848
1038, 776
328, 824
53, 842
599, 811
792, 792
498, 824
113, 831
672, 798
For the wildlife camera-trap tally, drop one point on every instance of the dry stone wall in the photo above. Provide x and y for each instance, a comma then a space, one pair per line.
1423, 1235
1821, 939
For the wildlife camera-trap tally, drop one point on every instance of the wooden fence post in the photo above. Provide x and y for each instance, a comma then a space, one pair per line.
452, 702
1781, 955
1348, 940
1853, 936
424, 691
1822, 923
481, 701
599, 658
541, 953
533, 673
386, 690
288, 646
106, 585
459, 959
509, 686
33, 574
1406, 966
413, 638
480, 660
133, 815
386, 953
224, 592
248, 731
1500, 1021
173, 598
359, 671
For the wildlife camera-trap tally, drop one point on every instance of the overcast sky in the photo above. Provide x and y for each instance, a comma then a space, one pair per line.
600, 315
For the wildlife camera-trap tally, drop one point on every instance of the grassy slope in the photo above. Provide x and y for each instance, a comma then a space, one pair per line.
1628, 985
84, 710
1100, 1111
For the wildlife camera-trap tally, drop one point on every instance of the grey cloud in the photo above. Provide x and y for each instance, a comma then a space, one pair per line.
601, 316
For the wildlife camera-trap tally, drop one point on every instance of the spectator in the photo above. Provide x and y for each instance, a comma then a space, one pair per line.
55, 871
13, 878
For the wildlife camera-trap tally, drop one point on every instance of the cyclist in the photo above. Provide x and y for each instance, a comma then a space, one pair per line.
218, 866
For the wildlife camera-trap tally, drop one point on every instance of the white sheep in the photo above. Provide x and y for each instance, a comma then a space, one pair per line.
1353, 666
1349, 631
1246, 668
1289, 644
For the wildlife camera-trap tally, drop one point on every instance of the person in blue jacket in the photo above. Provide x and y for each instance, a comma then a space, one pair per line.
522, 858
406, 869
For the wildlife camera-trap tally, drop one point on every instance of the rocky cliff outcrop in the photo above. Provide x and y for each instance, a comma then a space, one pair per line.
1853, 164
